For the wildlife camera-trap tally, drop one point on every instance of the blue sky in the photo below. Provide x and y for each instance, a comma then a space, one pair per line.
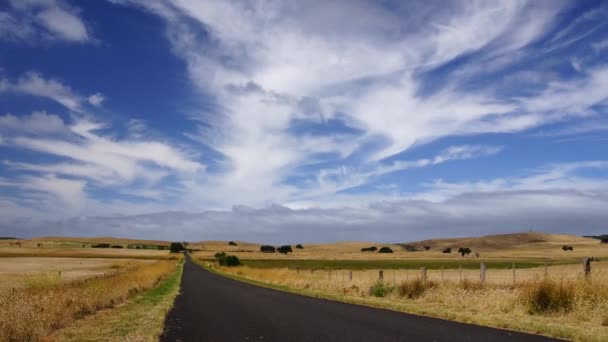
286, 121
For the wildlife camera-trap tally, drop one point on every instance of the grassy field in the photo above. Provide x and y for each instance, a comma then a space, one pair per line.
562, 304
45, 305
547, 293
525, 247
139, 319
20, 272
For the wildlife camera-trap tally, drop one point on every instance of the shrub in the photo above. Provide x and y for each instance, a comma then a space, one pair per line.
464, 251
567, 248
230, 261
101, 245
219, 256
426, 248
369, 249
117, 246
232, 243
285, 249
447, 250
380, 289
415, 288
385, 250
410, 248
175, 247
267, 249
549, 296
605, 240
299, 246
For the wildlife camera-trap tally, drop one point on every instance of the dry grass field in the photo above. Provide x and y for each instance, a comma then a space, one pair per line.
19, 272
555, 300
45, 304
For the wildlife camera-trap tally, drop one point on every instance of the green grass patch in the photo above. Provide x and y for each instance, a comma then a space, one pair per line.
392, 264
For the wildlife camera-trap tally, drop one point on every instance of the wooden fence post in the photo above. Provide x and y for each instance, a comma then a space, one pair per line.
351, 276
423, 274
587, 266
513, 273
482, 273
407, 274
381, 275
442, 273
393, 276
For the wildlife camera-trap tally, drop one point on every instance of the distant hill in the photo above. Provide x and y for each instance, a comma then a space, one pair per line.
104, 239
599, 237
499, 241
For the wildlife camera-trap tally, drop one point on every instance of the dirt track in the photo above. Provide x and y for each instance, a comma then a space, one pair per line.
214, 308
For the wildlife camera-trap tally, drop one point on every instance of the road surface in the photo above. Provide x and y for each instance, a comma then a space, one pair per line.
215, 308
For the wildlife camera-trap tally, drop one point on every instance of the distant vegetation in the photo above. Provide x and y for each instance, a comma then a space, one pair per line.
176, 247
267, 249
385, 250
447, 250
227, 260
464, 251
232, 243
101, 245
299, 246
426, 248
285, 249
567, 248
369, 249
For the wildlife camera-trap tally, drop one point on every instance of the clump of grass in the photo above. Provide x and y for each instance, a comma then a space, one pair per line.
415, 288
469, 285
549, 296
35, 311
381, 289
42, 281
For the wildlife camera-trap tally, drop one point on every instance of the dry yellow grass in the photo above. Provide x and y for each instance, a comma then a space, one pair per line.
17, 272
7, 252
498, 303
523, 246
36, 311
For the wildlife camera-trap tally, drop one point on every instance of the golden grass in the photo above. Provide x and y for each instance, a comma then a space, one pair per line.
141, 318
74, 252
18, 272
577, 307
32, 313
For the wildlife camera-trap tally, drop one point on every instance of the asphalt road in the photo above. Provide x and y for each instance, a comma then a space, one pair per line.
214, 308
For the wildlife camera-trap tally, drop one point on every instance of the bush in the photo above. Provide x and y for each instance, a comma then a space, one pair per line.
567, 248
230, 261
549, 296
219, 256
285, 249
117, 246
605, 240
385, 250
101, 245
380, 289
464, 251
299, 246
175, 247
369, 249
447, 250
415, 288
426, 248
232, 243
267, 249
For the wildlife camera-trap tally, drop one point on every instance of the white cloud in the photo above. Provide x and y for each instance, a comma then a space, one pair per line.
36, 123
96, 99
31, 20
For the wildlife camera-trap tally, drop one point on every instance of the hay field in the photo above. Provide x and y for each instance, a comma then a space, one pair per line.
18, 272
46, 305
537, 247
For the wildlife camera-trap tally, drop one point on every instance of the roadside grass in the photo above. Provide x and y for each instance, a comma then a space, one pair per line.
139, 319
31, 313
570, 308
